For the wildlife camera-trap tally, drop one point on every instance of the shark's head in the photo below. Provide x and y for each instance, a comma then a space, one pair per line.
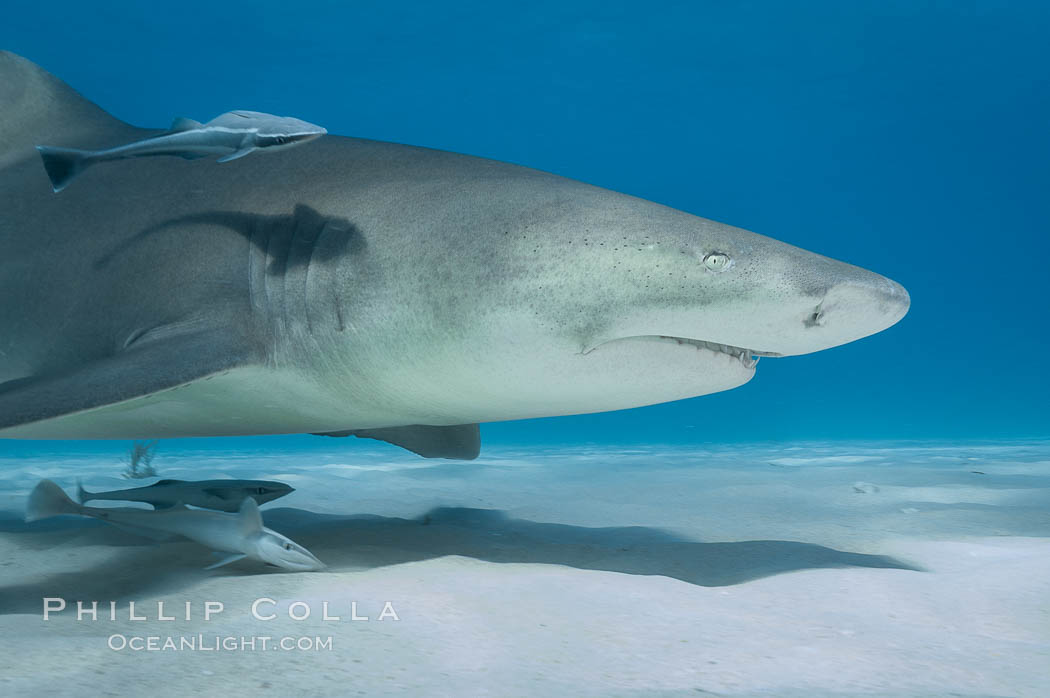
279, 132
263, 491
266, 545
273, 548
540, 296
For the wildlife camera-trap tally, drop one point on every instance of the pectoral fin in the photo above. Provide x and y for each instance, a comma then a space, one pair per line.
239, 154
462, 441
95, 393
226, 560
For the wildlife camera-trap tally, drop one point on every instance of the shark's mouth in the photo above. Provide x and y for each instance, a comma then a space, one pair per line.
747, 357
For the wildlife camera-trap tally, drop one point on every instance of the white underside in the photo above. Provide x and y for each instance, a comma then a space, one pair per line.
256, 400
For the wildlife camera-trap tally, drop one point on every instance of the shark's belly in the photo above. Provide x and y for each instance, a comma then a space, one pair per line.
244, 401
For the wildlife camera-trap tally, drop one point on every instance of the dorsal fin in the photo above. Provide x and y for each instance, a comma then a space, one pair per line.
181, 123
249, 519
40, 109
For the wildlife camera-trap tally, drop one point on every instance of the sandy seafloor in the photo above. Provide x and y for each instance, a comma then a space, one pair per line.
826, 569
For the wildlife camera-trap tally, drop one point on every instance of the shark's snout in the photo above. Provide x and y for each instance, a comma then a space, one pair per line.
859, 305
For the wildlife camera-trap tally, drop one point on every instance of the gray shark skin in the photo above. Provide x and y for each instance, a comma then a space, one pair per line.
232, 135
351, 287
222, 495
242, 535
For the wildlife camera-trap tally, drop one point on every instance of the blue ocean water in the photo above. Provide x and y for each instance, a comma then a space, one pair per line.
906, 137
814, 532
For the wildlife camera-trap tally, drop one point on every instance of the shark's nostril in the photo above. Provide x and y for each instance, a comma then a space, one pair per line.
816, 318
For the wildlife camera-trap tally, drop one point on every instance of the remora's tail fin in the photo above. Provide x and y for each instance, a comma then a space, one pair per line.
48, 499
63, 164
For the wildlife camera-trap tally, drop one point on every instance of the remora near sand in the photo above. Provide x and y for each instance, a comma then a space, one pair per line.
241, 534
223, 495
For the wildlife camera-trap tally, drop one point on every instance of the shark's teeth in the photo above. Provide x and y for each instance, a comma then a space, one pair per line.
747, 357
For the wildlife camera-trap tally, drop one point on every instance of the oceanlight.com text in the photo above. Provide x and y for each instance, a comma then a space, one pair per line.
218, 643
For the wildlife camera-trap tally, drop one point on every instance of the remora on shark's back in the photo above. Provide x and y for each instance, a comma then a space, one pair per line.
232, 135
373, 289
223, 495
242, 535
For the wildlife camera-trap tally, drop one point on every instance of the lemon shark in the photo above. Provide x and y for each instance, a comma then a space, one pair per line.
353, 287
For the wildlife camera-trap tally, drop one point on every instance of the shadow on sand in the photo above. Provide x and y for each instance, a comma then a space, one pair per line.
354, 543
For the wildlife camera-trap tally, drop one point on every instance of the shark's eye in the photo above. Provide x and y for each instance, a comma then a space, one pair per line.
260, 490
717, 261
287, 546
